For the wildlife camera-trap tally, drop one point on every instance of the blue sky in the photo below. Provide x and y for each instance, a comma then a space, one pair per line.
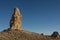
41, 16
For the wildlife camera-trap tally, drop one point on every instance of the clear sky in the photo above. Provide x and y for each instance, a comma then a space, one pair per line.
41, 16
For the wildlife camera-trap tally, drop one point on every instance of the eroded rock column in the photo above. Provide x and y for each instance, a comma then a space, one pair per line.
15, 22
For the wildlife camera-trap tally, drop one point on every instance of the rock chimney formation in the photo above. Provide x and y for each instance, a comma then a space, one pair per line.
15, 22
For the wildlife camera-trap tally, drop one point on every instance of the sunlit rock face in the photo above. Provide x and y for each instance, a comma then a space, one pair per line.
15, 22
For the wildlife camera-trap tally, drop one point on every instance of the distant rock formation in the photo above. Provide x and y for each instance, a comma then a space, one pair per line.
55, 34
15, 22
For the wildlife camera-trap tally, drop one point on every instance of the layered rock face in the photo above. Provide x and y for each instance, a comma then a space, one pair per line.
15, 22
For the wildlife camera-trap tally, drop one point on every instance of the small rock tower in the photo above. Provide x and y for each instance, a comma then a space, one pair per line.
15, 22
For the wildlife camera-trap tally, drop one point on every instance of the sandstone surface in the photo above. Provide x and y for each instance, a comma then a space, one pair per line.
15, 22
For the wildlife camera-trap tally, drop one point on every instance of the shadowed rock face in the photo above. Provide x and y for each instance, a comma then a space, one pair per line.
15, 22
55, 34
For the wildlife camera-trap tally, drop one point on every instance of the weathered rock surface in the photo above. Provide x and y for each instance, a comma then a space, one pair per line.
15, 22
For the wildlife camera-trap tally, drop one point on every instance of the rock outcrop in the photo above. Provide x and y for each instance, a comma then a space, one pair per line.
15, 22
55, 34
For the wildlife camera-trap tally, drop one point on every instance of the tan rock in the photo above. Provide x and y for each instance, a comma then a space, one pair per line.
15, 22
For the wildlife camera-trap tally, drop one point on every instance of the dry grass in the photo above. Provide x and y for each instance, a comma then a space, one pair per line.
24, 35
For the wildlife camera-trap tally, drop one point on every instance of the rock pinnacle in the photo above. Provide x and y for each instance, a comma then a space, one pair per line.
15, 22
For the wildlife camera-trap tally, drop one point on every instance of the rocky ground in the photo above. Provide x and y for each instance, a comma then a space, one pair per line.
25, 35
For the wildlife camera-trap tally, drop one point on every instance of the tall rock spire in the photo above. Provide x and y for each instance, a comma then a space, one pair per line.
15, 22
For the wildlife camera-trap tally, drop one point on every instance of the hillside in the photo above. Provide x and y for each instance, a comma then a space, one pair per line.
24, 35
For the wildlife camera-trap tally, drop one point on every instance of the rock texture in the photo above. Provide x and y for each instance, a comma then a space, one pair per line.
15, 22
